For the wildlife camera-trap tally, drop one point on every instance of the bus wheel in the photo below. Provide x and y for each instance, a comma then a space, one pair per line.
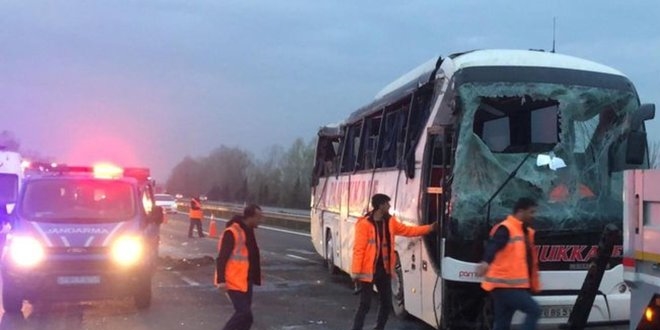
485, 317
330, 254
12, 300
397, 291
142, 296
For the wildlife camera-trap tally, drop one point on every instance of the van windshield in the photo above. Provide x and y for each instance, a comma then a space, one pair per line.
78, 201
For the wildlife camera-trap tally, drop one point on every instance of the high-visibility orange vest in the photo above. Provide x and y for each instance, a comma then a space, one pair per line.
509, 268
236, 270
196, 214
365, 246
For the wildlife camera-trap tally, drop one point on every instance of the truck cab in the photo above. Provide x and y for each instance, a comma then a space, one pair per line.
82, 233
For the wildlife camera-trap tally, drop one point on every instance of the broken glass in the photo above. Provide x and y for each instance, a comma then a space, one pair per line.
496, 134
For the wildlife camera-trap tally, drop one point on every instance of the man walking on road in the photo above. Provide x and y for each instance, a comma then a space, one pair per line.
238, 265
196, 214
373, 257
510, 267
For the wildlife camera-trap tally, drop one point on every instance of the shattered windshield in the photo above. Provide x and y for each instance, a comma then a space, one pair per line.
504, 124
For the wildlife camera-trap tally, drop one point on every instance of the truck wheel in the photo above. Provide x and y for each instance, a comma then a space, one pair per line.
142, 295
398, 303
12, 300
330, 254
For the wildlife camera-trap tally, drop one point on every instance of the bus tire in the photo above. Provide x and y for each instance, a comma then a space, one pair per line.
12, 300
398, 302
142, 296
330, 254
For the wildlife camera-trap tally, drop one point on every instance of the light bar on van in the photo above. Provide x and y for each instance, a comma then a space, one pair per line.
107, 171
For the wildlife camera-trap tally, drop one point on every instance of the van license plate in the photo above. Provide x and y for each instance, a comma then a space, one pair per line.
560, 311
73, 280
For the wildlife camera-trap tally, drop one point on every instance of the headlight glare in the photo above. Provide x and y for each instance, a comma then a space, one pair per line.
127, 250
26, 251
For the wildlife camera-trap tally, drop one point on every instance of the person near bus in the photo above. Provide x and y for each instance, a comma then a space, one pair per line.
374, 257
238, 266
196, 214
510, 267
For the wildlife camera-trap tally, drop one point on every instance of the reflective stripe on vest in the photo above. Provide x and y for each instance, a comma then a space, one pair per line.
236, 271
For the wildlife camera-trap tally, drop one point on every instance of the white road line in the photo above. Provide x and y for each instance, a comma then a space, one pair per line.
302, 251
186, 279
262, 227
299, 258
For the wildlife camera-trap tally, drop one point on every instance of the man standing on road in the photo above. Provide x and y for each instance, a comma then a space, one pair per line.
373, 257
238, 265
196, 214
510, 267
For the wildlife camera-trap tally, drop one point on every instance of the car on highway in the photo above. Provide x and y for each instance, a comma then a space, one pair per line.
167, 202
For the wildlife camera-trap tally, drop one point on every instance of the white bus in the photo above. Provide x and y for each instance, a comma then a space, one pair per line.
458, 140
11, 177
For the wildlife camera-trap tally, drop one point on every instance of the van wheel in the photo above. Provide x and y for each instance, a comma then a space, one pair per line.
12, 300
330, 255
398, 303
142, 296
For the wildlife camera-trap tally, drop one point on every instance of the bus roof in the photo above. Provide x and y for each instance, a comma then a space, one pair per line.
486, 58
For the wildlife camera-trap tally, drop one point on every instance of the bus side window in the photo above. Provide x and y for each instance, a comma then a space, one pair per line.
391, 143
369, 142
351, 148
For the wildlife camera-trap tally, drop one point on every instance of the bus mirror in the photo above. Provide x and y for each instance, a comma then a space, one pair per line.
635, 148
644, 112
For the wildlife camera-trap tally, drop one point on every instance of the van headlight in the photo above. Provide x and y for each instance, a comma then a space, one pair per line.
26, 251
127, 250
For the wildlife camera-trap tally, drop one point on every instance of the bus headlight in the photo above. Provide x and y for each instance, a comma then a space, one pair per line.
26, 251
127, 250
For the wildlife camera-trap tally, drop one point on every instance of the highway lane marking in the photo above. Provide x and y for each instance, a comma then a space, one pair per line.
302, 251
299, 258
186, 279
263, 227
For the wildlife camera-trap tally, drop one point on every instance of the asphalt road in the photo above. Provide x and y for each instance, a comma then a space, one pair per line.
297, 292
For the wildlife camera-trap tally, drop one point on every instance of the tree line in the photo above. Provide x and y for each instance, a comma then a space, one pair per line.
280, 177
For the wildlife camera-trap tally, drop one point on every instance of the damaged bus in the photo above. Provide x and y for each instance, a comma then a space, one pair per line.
457, 141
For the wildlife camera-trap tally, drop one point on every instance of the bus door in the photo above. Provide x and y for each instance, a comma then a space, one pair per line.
436, 169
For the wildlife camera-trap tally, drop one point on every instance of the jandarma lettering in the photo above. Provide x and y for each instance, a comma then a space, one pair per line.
77, 231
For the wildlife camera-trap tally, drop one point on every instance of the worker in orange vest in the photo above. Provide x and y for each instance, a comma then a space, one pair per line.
510, 267
238, 265
374, 256
196, 214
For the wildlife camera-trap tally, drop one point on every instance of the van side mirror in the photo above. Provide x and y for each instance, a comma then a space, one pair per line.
157, 215
644, 112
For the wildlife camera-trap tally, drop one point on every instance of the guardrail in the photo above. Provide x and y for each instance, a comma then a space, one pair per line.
279, 219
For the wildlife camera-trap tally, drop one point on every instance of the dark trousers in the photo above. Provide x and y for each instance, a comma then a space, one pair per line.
383, 283
507, 301
242, 318
195, 223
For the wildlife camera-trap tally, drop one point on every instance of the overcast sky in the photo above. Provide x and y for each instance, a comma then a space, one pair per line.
148, 82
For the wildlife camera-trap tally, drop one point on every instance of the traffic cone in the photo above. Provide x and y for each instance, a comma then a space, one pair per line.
213, 231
